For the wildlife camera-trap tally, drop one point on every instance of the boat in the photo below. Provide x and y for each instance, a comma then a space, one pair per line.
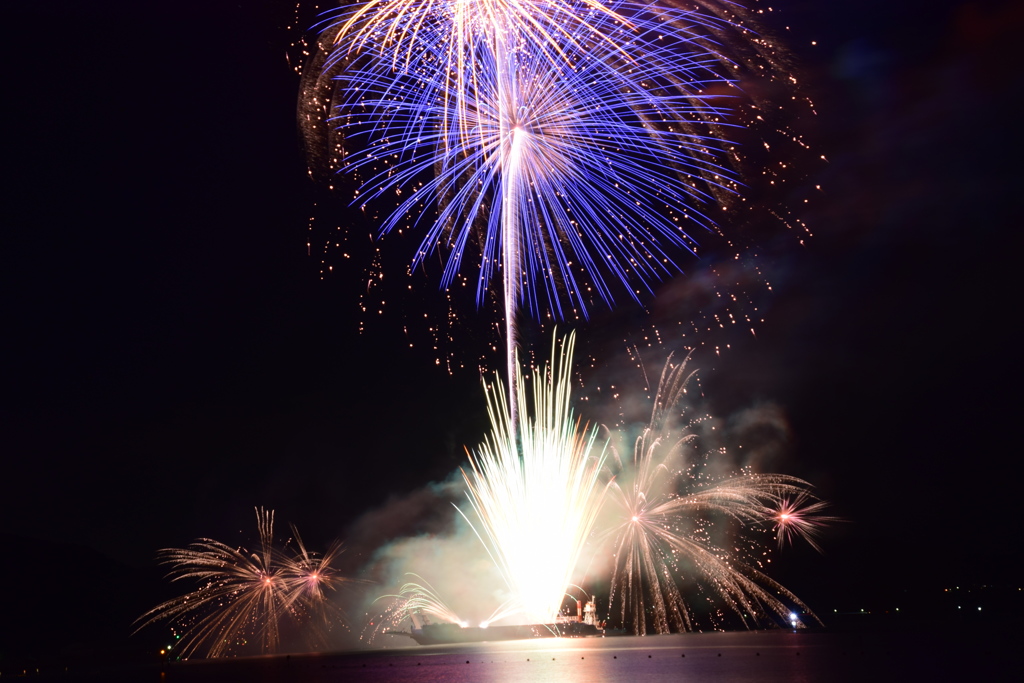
451, 634
579, 626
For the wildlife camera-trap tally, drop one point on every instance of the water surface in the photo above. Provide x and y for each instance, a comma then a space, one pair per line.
766, 657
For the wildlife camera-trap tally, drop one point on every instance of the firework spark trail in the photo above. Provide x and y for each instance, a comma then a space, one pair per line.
581, 155
535, 508
663, 534
417, 599
418, 602
573, 138
248, 594
393, 30
449, 40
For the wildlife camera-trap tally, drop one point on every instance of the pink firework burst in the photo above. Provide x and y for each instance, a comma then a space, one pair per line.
800, 516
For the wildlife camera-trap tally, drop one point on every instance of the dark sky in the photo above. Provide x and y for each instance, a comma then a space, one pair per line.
171, 357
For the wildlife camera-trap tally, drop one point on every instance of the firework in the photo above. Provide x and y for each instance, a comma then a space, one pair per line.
574, 144
799, 516
393, 30
535, 491
569, 165
416, 601
246, 595
687, 542
666, 537
421, 599
578, 146
313, 580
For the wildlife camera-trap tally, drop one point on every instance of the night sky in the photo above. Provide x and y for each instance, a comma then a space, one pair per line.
172, 357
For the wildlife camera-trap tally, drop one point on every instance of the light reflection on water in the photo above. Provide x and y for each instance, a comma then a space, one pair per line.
690, 657
735, 657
